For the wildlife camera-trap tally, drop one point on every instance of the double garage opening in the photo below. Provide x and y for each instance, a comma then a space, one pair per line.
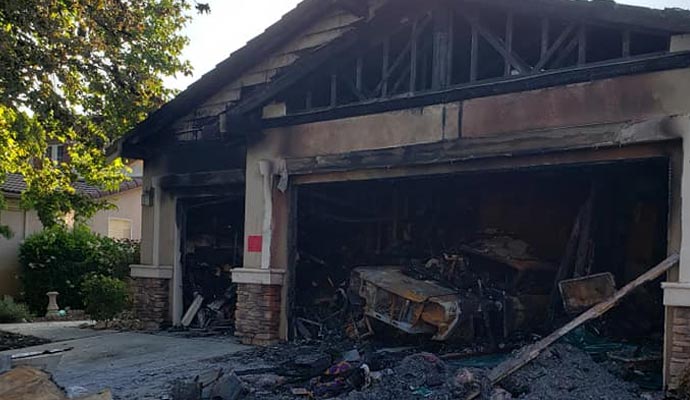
467, 258
476, 258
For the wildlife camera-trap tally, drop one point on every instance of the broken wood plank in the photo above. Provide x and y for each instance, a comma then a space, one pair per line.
531, 352
626, 43
585, 240
441, 47
474, 49
545, 28
564, 269
509, 42
192, 311
582, 49
358, 73
555, 47
499, 45
334, 89
414, 56
30, 354
383, 85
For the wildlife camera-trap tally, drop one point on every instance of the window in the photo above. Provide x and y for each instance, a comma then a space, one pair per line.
119, 228
56, 152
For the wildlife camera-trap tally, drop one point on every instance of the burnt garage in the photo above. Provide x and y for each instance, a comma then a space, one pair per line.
490, 247
454, 171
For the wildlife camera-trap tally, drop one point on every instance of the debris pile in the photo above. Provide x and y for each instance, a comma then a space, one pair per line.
488, 288
562, 372
566, 373
10, 341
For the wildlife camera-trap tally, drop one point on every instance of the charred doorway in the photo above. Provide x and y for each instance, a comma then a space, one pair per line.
211, 246
492, 247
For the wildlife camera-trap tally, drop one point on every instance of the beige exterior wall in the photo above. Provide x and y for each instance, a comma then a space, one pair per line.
24, 223
604, 101
127, 206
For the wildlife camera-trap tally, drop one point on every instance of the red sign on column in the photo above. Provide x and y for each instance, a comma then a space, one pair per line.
254, 243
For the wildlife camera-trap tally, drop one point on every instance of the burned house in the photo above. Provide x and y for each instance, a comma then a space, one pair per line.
458, 168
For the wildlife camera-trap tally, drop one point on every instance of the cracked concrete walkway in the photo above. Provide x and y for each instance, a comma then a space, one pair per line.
133, 365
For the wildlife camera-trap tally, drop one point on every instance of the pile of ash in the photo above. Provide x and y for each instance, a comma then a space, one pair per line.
284, 372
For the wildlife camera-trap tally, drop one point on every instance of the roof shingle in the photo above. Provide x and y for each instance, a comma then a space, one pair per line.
14, 184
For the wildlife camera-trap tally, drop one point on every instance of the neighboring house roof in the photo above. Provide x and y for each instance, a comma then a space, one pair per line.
672, 20
14, 184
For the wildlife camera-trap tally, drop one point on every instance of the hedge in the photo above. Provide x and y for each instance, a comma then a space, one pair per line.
59, 259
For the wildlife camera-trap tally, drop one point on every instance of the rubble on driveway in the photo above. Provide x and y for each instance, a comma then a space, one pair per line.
348, 370
292, 371
11, 341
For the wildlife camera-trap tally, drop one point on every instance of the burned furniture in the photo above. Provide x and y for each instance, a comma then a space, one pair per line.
415, 306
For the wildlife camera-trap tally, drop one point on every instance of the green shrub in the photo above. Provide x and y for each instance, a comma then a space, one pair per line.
105, 297
13, 312
58, 259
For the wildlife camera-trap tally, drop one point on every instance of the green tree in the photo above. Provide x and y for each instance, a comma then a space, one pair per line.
81, 73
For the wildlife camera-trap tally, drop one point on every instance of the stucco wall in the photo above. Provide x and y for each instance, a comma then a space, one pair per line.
23, 223
607, 100
128, 206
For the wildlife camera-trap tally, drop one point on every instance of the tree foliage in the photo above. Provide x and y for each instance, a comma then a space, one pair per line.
81, 73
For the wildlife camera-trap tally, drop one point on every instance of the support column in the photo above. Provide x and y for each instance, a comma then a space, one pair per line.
156, 286
259, 318
677, 288
150, 288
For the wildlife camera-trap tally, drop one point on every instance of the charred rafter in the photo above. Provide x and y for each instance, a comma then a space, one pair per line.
443, 45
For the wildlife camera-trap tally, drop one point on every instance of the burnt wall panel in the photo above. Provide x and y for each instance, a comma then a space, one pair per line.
203, 156
606, 101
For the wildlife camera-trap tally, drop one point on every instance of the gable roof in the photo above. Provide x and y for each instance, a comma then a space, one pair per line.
231, 68
669, 20
14, 184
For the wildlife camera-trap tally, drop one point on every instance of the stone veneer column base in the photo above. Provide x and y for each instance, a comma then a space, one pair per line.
257, 317
150, 287
679, 355
677, 346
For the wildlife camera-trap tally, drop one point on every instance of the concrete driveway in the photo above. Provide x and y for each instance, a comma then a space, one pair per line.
133, 365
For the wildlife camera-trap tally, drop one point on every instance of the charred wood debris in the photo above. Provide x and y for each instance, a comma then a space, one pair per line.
472, 323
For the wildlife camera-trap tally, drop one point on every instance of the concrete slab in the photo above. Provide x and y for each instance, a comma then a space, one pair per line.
133, 365
56, 331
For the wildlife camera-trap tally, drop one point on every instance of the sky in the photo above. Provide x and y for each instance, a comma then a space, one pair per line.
232, 23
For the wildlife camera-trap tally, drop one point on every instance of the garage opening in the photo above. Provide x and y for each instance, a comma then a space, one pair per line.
211, 247
489, 259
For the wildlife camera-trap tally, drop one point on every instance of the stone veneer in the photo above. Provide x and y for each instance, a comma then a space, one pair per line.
680, 346
257, 317
151, 298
